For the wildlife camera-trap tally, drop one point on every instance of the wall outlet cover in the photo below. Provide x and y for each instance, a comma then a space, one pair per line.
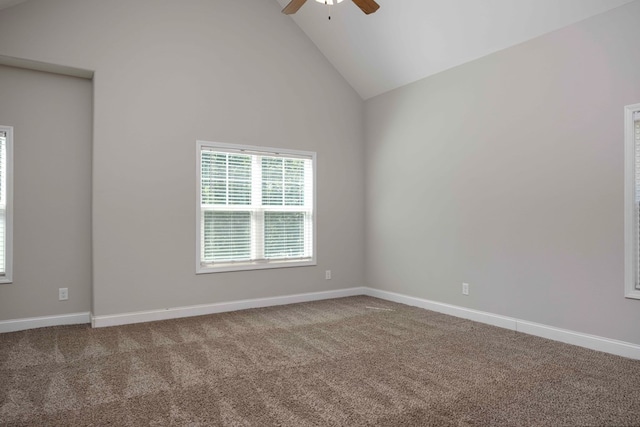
465, 289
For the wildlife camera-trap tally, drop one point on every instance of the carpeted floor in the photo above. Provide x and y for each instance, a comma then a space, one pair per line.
344, 362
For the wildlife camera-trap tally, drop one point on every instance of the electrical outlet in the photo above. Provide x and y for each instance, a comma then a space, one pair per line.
63, 294
327, 274
465, 289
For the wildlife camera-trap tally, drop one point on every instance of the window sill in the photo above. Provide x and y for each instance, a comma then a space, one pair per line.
632, 294
254, 266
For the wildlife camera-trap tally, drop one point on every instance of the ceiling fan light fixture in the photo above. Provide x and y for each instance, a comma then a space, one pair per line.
367, 6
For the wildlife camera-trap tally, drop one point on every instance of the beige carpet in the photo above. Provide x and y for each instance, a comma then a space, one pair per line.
345, 362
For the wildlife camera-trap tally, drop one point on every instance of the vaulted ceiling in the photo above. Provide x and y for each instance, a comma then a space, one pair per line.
407, 40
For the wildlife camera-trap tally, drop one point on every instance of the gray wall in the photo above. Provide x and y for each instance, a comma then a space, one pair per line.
51, 116
167, 73
507, 173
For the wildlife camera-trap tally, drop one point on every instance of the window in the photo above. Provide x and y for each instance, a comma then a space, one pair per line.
256, 208
6, 199
632, 201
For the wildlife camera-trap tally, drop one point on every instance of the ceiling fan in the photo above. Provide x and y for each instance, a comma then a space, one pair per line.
367, 6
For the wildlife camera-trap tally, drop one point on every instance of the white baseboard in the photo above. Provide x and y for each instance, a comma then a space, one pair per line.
593, 342
200, 310
15, 325
452, 310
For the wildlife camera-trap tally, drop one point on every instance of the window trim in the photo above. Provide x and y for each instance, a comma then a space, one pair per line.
8, 275
256, 265
630, 224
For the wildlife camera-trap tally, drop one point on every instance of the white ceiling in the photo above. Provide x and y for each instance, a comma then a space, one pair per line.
407, 40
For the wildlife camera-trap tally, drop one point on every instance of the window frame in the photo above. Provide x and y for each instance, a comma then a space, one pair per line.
8, 273
252, 265
631, 226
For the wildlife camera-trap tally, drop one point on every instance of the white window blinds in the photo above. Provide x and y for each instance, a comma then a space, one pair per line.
636, 139
6, 204
256, 208
3, 203
632, 201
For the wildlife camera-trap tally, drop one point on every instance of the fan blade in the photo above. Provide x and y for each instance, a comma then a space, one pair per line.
367, 6
293, 7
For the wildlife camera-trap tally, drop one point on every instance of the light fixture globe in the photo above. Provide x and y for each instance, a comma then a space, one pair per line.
329, 2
